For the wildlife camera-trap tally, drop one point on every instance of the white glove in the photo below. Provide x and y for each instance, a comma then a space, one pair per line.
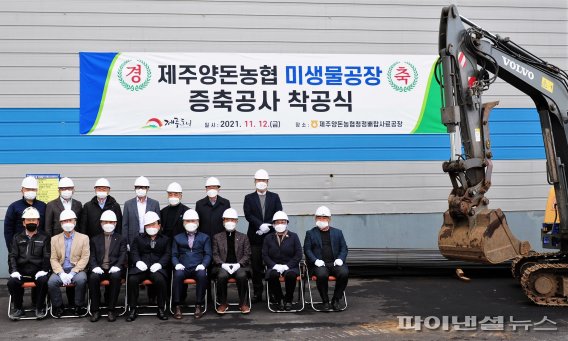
113, 269
285, 268
236, 267
278, 268
199, 267
128, 247
264, 228
65, 278
40, 274
155, 267
226, 267
338, 262
98, 270
319, 263
180, 267
16, 274
141, 265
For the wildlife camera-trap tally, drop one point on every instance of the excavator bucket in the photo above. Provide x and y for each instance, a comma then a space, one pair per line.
484, 238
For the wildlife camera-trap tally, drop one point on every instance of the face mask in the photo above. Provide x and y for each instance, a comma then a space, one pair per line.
140, 193
173, 201
31, 227
190, 227
230, 226
152, 231
261, 186
102, 195
280, 228
30, 195
66, 194
108, 228
68, 227
212, 193
322, 224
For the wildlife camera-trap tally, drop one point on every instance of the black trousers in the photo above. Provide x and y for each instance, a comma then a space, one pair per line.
95, 289
222, 280
17, 292
159, 282
257, 269
322, 273
275, 288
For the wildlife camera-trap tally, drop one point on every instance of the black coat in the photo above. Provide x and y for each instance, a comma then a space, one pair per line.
53, 211
177, 227
211, 217
116, 254
28, 256
141, 250
90, 221
253, 214
289, 252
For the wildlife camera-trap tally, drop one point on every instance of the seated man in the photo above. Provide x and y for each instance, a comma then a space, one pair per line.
231, 259
282, 253
29, 262
69, 256
191, 255
108, 254
151, 253
326, 251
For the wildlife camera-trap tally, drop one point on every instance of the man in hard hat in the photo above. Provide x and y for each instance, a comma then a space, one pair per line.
150, 255
172, 215
259, 208
90, 222
231, 259
65, 201
13, 218
135, 208
191, 255
211, 208
282, 253
29, 262
107, 260
326, 252
69, 257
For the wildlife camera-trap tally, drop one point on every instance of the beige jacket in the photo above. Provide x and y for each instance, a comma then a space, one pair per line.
80, 252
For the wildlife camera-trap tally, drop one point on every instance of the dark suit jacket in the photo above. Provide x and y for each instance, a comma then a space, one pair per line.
177, 228
52, 212
90, 222
242, 249
289, 252
211, 217
116, 254
253, 214
313, 245
130, 219
200, 253
141, 250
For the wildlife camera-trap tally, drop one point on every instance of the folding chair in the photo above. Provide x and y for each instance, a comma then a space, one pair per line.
64, 316
146, 282
296, 303
124, 308
28, 285
231, 304
188, 281
312, 302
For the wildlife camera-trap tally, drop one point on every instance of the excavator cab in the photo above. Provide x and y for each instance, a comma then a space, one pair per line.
550, 232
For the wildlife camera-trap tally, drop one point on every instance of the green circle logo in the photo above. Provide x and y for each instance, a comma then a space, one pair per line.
134, 75
402, 76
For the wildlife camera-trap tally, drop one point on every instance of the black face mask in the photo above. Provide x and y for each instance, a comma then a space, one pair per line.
31, 227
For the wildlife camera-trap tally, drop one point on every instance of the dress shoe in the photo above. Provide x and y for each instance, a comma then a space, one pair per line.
162, 314
40, 313
198, 311
257, 298
245, 309
325, 306
96, 316
17, 314
58, 312
79, 311
222, 308
287, 306
178, 314
279, 305
335, 304
111, 316
132, 315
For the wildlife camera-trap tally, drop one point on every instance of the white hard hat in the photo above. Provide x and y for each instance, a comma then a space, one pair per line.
323, 211
29, 182
231, 213
30, 213
279, 216
108, 215
67, 214
142, 181
174, 187
66, 182
190, 214
102, 182
261, 174
151, 217
212, 181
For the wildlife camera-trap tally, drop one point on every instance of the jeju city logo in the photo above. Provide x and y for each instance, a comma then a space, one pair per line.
134, 75
402, 76
153, 123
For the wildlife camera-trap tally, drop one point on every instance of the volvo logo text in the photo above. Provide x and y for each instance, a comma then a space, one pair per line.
518, 68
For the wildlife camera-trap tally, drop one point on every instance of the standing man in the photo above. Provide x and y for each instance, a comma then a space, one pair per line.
69, 258
135, 208
210, 209
326, 251
90, 222
56, 206
13, 219
108, 255
259, 208
172, 215
29, 262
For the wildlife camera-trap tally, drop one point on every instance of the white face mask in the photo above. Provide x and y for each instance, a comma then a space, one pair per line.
322, 224
173, 201
108, 228
230, 226
30, 195
141, 193
66, 194
212, 193
280, 228
152, 231
102, 195
190, 227
261, 186
68, 227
